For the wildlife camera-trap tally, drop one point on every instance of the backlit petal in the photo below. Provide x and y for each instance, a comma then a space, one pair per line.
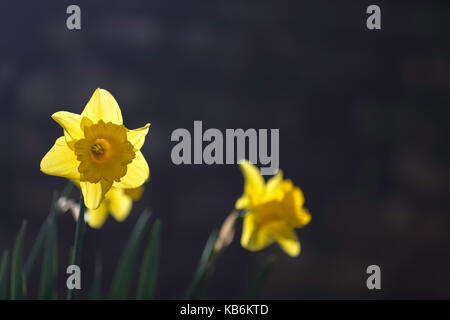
303, 217
274, 189
134, 193
243, 203
254, 237
94, 193
70, 122
293, 207
96, 218
286, 238
137, 174
85, 122
103, 106
119, 204
275, 182
288, 187
137, 136
61, 161
254, 182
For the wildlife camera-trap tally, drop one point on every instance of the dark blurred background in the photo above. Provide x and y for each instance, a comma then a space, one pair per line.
363, 118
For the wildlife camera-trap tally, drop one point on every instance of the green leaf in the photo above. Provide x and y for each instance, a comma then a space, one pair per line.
149, 268
203, 282
40, 239
97, 284
76, 252
122, 277
4, 275
255, 288
35, 250
50, 259
204, 270
18, 285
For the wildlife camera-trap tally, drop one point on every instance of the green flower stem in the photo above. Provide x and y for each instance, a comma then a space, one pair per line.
76, 255
97, 285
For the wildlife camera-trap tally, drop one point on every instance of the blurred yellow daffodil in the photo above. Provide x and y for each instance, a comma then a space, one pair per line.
274, 210
98, 150
118, 202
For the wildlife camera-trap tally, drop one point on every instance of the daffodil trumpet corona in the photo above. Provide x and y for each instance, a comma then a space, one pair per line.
273, 211
97, 150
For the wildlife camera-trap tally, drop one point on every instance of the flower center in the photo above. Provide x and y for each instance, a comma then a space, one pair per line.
101, 151
104, 152
97, 149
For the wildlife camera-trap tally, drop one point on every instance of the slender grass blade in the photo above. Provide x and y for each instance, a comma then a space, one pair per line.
254, 290
18, 285
122, 277
204, 270
40, 240
49, 261
149, 268
4, 275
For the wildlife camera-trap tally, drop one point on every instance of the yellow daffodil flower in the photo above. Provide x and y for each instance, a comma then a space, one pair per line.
98, 150
274, 210
118, 202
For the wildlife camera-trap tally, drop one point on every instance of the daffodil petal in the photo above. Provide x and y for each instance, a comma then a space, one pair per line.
242, 203
290, 246
293, 205
254, 237
94, 193
137, 136
103, 106
303, 217
137, 174
286, 238
61, 161
96, 218
85, 122
275, 182
119, 204
70, 122
273, 190
135, 193
254, 182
